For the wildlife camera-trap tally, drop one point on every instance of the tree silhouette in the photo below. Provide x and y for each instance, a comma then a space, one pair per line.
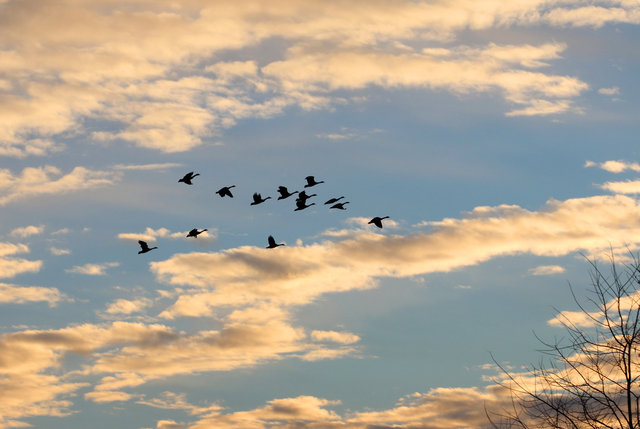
591, 377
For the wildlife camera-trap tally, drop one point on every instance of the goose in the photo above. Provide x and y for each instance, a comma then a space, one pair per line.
311, 182
339, 206
302, 204
257, 199
284, 192
302, 196
145, 247
377, 221
194, 232
225, 191
334, 200
272, 243
188, 177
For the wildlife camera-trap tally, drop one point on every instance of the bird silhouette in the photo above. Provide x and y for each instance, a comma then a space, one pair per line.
377, 221
272, 243
188, 177
302, 196
339, 206
145, 247
194, 232
225, 191
284, 192
302, 204
257, 199
311, 182
334, 200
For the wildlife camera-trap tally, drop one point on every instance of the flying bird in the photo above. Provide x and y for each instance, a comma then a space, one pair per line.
272, 243
145, 247
311, 181
302, 196
284, 192
334, 200
257, 199
377, 221
194, 232
225, 191
302, 204
339, 206
188, 177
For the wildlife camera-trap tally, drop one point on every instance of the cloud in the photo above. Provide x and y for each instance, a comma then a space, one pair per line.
145, 167
14, 294
153, 69
336, 337
11, 266
626, 187
615, 166
50, 180
58, 252
546, 270
93, 269
125, 306
298, 275
27, 231
609, 91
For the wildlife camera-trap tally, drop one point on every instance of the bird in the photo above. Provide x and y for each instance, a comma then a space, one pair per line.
225, 191
272, 243
311, 182
145, 247
257, 199
302, 204
377, 221
334, 200
339, 205
194, 232
188, 177
284, 192
302, 196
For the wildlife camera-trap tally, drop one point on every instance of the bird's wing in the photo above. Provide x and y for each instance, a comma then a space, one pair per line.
282, 189
271, 240
143, 244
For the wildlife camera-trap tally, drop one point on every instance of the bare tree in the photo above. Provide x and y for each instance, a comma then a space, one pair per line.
591, 377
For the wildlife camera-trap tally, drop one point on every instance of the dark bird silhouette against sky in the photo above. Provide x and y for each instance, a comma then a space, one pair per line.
272, 243
284, 192
311, 181
145, 247
339, 206
188, 177
302, 196
257, 199
377, 221
334, 200
302, 204
194, 232
225, 191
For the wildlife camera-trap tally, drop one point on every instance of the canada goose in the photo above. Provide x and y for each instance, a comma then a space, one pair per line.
334, 200
257, 199
188, 177
194, 232
377, 221
145, 247
302, 196
284, 192
339, 206
272, 243
311, 182
226, 191
302, 204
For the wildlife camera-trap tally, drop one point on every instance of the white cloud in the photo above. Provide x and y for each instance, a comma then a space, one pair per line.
58, 252
144, 167
14, 294
615, 166
546, 270
626, 187
93, 269
27, 231
125, 306
11, 266
609, 91
50, 180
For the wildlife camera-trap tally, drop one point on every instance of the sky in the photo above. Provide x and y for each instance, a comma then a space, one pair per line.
501, 139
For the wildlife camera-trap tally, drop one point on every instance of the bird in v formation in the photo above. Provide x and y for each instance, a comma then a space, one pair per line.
301, 204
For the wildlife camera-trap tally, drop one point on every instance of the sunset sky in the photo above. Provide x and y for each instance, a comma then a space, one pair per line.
500, 137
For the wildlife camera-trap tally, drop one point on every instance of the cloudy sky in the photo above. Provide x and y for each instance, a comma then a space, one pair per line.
501, 139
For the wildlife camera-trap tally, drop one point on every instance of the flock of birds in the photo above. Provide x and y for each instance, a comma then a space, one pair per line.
301, 204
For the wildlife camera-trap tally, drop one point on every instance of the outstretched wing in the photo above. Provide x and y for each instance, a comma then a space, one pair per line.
272, 241
143, 245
